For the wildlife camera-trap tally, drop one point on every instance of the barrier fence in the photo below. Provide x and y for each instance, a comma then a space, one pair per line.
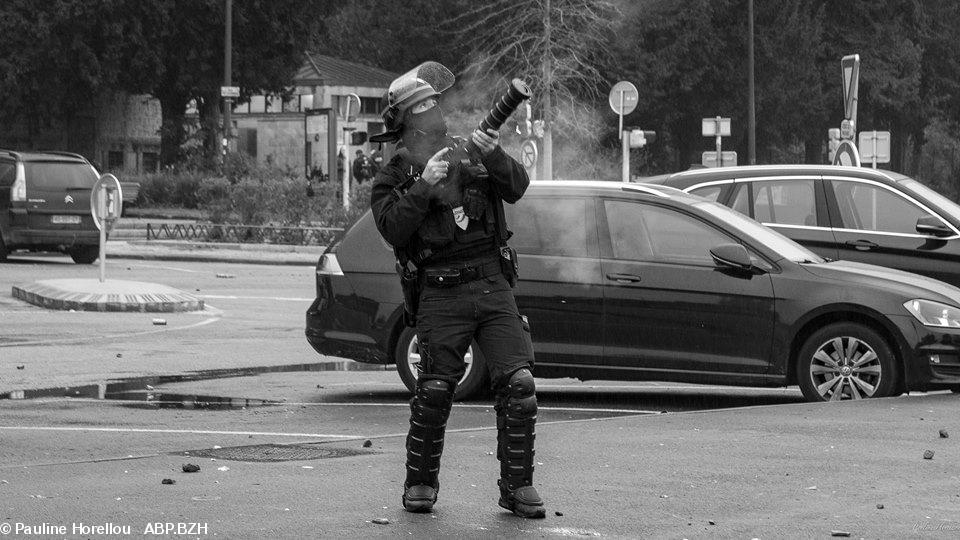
243, 234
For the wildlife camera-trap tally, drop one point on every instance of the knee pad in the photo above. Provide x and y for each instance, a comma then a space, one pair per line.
433, 401
521, 395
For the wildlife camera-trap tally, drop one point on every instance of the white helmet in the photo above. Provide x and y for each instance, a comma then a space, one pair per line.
426, 80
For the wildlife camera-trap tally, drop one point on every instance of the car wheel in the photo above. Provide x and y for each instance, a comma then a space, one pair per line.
407, 355
846, 361
85, 254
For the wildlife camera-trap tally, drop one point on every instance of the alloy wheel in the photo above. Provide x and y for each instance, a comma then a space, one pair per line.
845, 367
413, 359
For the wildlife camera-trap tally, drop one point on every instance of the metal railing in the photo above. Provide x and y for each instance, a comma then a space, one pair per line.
243, 234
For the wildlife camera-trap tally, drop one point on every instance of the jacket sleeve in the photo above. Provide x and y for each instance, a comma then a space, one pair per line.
398, 216
507, 176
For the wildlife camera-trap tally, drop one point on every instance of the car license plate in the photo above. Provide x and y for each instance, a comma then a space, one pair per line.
65, 219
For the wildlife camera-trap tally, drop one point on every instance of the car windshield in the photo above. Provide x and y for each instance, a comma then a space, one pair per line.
937, 199
779, 243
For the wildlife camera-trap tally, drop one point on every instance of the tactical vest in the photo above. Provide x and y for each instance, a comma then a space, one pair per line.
440, 237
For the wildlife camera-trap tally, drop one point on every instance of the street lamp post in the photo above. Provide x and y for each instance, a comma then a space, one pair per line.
227, 79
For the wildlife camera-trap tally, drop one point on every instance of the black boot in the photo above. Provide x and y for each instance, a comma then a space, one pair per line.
516, 418
429, 410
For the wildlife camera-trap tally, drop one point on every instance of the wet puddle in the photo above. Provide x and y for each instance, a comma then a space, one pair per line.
144, 391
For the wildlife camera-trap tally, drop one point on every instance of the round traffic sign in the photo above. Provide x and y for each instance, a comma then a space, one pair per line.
106, 201
528, 153
623, 97
847, 154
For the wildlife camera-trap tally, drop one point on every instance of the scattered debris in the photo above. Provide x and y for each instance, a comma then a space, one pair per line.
190, 467
367, 443
879, 506
944, 434
307, 467
839, 533
664, 496
215, 447
119, 355
558, 513
21, 367
159, 322
928, 454
226, 276
223, 468
382, 521
712, 522
168, 481
812, 487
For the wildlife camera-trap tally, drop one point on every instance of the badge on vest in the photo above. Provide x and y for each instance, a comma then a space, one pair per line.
460, 218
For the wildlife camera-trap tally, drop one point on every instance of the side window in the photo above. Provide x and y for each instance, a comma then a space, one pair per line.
8, 173
652, 233
708, 192
549, 226
872, 208
785, 202
741, 200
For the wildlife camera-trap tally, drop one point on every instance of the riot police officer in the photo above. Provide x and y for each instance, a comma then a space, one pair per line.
445, 219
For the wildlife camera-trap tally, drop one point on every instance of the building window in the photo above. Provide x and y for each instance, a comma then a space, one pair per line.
369, 105
258, 104
151, 162
115, 160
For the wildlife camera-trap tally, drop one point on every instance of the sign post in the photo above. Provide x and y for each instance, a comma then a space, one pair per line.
850, 68
875, 146
623, 100
106, 206
349, 113
716, 127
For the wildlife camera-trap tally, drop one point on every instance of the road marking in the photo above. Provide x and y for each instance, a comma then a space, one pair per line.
278, 298
182, 431
80, 339
170, 268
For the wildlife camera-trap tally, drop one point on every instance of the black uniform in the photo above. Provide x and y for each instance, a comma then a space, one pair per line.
465, 295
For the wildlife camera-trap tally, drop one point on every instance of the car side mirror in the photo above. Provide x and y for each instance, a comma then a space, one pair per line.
933, 226
732, 256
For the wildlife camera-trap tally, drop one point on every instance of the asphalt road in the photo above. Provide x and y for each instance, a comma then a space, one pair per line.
282, 444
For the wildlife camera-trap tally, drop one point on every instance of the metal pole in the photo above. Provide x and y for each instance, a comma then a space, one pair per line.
625, 143
102, 210
719, 152
227, 78
621, 114
751, 90
873, 139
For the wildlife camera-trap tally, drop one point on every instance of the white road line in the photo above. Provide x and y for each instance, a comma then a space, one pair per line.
278, 298
182, 431
79, 339
170, 268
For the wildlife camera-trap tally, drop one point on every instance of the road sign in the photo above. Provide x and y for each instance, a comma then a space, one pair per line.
850, 66
847, 154
874, 146
230, 91
709, 159
716, 126
528, 154
623, 98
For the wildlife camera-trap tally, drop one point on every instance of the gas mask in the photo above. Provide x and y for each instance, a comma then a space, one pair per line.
425, 133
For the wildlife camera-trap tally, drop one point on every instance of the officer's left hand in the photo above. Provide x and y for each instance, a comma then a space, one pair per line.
486, 142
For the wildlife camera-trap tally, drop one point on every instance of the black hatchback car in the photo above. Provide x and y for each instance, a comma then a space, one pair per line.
45, 204
848, 213
644, 282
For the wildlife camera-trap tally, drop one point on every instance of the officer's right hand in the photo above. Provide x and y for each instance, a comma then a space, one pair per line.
435, 169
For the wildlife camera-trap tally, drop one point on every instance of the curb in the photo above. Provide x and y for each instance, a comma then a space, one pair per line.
163, 300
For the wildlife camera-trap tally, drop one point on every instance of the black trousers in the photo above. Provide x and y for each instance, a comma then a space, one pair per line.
449, 318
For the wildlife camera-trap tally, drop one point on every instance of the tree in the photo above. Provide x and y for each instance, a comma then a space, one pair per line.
556, 46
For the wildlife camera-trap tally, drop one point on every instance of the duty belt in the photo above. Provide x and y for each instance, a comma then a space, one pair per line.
447, 276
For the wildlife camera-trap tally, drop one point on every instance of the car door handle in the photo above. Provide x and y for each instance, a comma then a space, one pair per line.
623, 278
862, 245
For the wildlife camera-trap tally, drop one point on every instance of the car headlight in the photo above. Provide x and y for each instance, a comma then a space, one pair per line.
934, 313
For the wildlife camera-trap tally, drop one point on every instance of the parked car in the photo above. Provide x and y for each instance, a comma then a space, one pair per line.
45, 204
645, 282
848, 213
